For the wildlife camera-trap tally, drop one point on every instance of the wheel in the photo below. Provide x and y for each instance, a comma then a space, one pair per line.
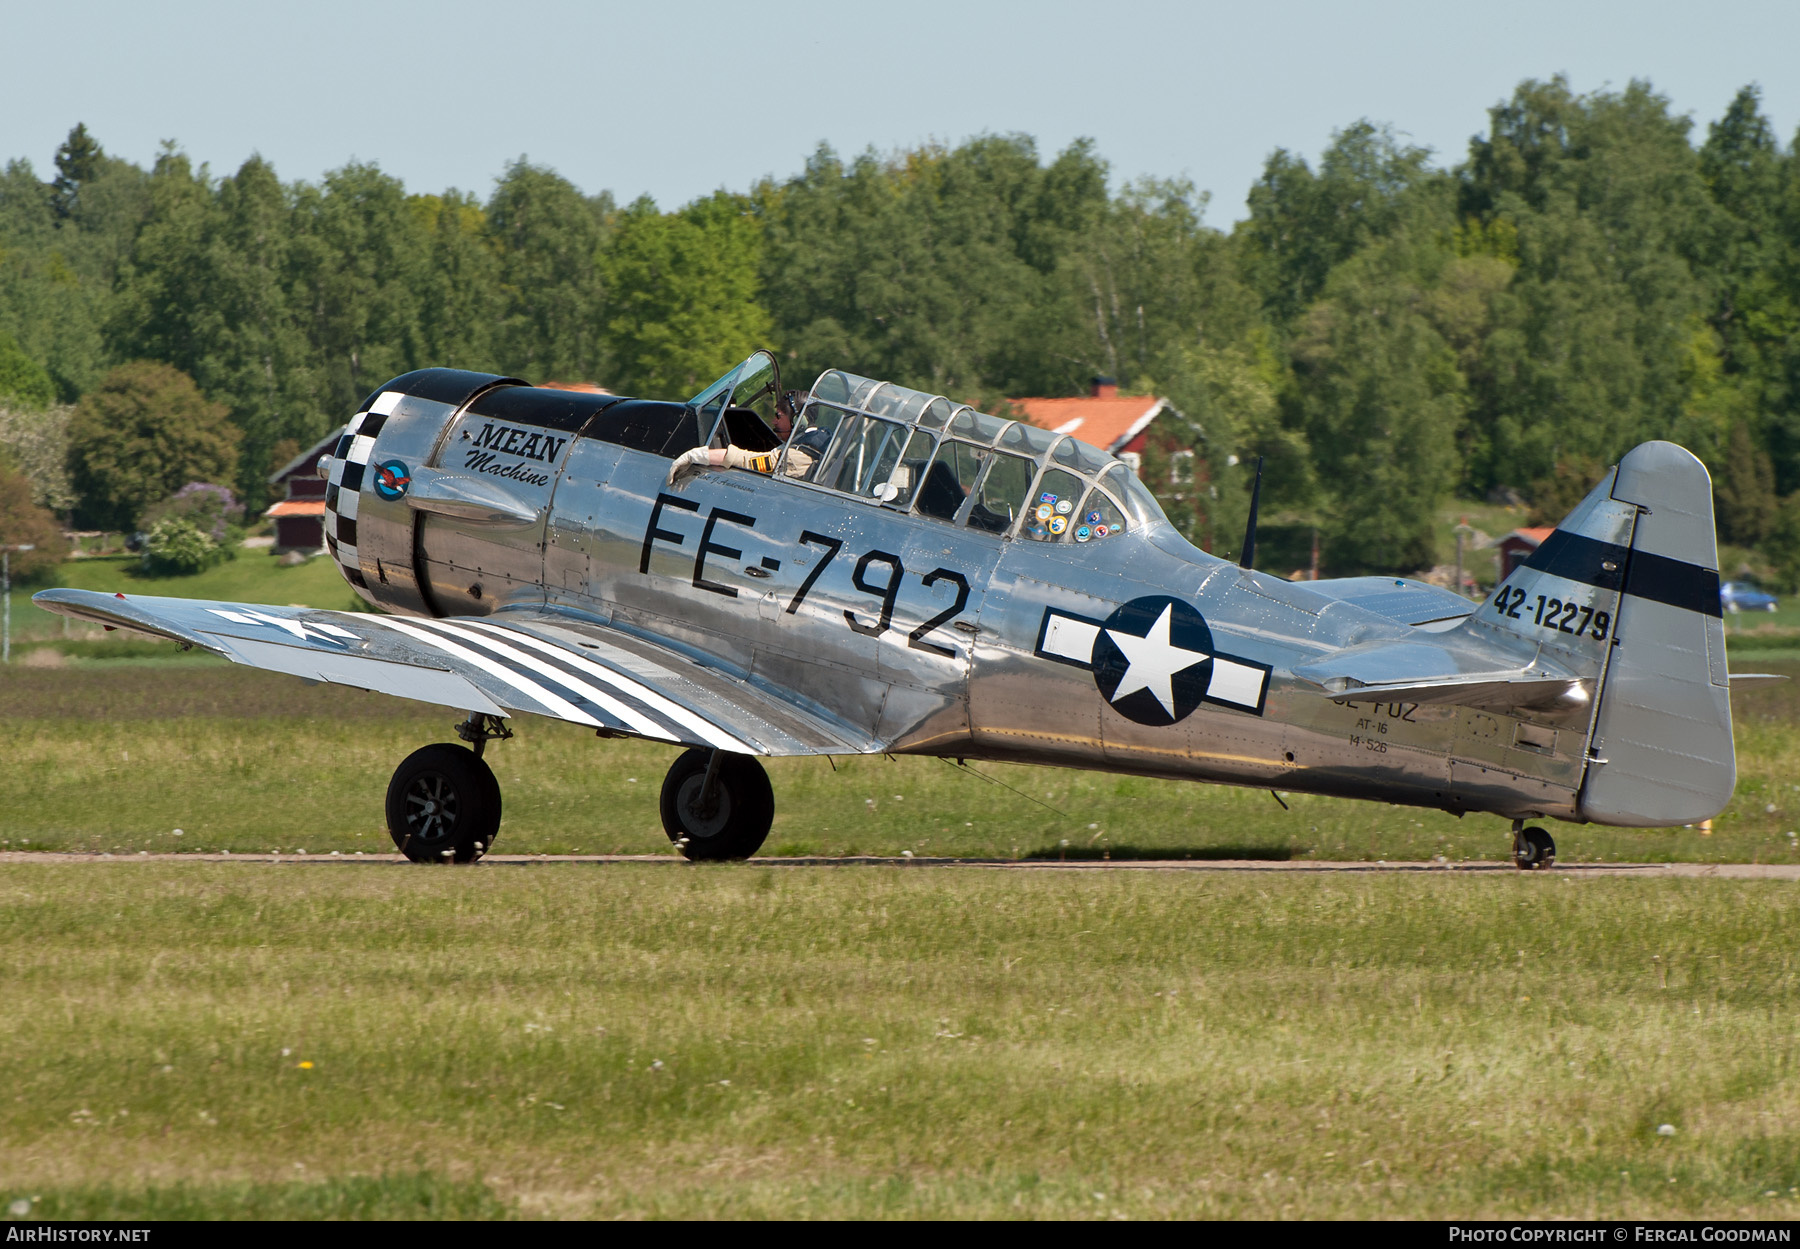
1533, 848
443, 805
734, 824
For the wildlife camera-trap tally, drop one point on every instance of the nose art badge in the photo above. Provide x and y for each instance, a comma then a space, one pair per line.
391, 479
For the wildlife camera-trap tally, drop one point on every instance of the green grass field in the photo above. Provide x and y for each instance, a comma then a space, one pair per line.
635, 1040
195, 1039
255, 576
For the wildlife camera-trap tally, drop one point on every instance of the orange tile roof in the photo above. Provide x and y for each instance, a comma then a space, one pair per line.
1534, 536
1107, 423
297, 507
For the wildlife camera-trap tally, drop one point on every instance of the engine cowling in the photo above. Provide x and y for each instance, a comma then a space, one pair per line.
441, 486
369, 527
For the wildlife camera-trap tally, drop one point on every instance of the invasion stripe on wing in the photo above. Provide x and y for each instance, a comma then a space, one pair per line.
655, 701
636, 720
556, 705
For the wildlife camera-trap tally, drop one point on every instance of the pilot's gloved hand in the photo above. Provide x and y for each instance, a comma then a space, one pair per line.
687, 464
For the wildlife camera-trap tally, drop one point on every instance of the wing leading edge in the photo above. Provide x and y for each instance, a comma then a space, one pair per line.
581, 671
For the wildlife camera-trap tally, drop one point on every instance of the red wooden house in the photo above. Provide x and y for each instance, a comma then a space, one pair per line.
1516, 547
1101, 418
300, 515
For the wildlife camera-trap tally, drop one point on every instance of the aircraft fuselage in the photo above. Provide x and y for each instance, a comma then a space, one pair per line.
949, 641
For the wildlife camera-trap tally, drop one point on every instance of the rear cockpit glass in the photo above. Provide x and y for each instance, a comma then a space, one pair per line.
936, 413
1053, 507
1080, 456
910, 471
976, 426
863, 456
949, 480
1138, 499
1026, 439
1002, 495
1098, 517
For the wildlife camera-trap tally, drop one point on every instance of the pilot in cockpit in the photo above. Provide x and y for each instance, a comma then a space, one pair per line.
803, 452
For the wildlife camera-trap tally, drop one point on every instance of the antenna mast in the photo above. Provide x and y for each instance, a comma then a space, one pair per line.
1248, 558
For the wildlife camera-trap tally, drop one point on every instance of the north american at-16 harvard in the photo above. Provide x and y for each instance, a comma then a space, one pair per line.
861, 568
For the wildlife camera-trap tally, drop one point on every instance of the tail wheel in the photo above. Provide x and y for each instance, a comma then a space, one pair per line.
1533, 848
443, 805
728, 821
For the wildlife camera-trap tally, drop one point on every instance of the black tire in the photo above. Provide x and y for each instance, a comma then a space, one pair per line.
740, 820
443, 805
1533, 849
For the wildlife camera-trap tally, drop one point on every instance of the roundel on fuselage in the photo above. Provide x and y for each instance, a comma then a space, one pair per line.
392, 477
1153, 660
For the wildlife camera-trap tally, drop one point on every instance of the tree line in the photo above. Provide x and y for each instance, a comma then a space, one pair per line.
1386, 332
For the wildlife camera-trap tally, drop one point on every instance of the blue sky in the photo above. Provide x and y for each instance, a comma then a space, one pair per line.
677, 99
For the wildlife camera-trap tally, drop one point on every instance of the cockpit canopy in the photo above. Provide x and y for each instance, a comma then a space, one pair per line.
912, 451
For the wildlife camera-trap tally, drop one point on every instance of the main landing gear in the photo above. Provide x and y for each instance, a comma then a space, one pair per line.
1532, 847
717, 805
443, 805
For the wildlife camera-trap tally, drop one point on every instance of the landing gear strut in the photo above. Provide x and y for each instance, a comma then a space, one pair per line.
443, 805
1532, 847
717, 805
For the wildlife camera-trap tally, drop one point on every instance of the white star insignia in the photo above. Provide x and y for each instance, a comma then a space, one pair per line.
1153, 661
304, 630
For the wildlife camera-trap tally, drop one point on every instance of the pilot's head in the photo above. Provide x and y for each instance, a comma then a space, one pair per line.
787, 411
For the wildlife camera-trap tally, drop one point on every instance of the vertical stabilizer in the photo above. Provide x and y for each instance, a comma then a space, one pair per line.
1662, 751
1564, 599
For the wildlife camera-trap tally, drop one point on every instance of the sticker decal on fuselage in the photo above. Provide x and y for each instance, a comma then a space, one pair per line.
1153, 660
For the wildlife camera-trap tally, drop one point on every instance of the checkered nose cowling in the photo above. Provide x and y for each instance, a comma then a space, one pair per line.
350, 474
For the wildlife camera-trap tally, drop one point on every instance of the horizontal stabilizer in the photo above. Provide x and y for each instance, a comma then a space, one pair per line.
1525, 692
1741, 679
1454, 670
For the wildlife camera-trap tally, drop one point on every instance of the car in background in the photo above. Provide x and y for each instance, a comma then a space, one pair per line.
1742, 596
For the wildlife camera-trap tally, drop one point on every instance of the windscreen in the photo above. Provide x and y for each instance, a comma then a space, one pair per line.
753, 384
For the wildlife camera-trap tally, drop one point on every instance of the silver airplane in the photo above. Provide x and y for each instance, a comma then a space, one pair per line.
902, 574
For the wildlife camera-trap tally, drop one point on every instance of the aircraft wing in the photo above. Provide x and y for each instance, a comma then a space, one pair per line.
579, 670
